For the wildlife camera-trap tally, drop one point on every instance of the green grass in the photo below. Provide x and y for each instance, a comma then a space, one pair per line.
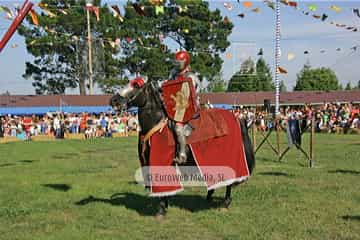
45, 190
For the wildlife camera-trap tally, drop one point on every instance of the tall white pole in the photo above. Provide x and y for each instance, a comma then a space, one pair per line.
277, 57
91, 85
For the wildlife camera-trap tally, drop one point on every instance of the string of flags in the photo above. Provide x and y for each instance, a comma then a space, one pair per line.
310, 11
159, 9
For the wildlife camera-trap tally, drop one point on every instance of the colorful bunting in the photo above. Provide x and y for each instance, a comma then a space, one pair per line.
50, 14
290, 56
270, 4
141, 42
182, 9
95, 10
116, 13
354, 48
312, 7
34, 17
156, 2
9, 13
242, 15
289, 3
335, 8
356, 12
247, 4
63, 11
324, 17
282, 70
139, 9
228, 6
226, 20
228, 55
159, 10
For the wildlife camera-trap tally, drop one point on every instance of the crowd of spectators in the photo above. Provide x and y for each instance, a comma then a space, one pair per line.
330, 117
60, 124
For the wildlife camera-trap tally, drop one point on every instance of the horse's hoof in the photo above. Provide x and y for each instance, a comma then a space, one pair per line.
223, 209
226, 203
159, 217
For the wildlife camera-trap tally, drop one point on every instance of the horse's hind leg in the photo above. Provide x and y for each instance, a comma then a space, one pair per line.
227, 200
163, 205
209, 195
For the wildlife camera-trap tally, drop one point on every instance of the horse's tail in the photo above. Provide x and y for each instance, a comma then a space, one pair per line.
250, 156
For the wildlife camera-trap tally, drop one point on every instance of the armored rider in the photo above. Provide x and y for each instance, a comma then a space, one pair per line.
182, 130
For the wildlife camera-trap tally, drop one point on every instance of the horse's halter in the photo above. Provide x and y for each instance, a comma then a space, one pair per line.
129, 95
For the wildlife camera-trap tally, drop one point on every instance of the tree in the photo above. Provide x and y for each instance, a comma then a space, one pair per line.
264, 77
187, 24
283, 86
217, 85
252, 77
59, 44
348, 86
358, 85
245, 79
323, 79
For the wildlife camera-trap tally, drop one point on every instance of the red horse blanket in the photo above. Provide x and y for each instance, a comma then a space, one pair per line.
219, 154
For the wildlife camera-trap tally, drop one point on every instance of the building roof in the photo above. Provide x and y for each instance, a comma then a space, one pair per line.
238, 98
286, 98
53, 100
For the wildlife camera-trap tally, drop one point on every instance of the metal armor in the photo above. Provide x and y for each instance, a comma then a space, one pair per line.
183, 130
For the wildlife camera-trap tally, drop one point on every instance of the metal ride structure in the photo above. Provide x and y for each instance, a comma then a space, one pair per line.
275, 119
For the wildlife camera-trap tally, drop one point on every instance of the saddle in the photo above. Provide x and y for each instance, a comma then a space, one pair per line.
210, 124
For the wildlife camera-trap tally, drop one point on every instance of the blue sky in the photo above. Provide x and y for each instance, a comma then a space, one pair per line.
255, 31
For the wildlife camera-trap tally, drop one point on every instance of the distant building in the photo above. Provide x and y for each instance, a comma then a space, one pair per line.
40, 104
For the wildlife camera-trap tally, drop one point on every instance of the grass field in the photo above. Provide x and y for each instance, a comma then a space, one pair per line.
45, 190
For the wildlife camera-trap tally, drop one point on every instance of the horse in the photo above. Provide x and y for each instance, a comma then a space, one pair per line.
147, 97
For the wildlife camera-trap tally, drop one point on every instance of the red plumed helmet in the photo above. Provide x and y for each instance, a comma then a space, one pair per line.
182, 59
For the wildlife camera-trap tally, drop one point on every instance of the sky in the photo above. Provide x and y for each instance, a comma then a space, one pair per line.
328, 45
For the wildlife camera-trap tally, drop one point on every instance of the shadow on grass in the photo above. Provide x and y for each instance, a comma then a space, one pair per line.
58, 187
343, 171
65, 155
26, 161
351, 218
276, 174
7, 164
147, 206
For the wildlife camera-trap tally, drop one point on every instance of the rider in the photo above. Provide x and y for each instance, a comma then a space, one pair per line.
182, 70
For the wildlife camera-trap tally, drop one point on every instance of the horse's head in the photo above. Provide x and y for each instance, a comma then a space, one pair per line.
132, 95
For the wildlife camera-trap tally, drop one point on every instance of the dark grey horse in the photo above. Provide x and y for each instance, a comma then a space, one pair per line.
150, 112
